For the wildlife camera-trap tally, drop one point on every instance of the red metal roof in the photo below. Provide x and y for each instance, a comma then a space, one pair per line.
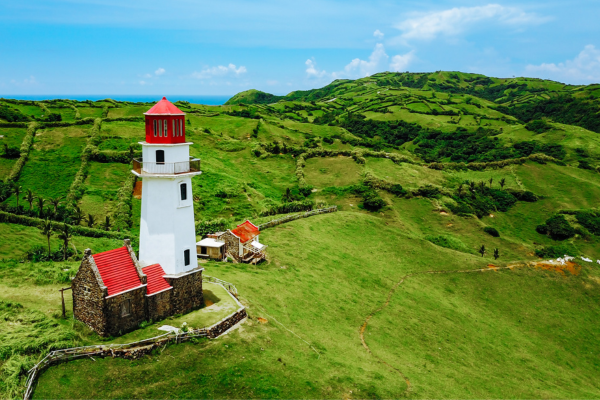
164, 107
117, 270
246, 231
156, 282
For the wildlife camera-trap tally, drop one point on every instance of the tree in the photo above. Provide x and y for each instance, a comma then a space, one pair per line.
502, 183
30, 198
481, 186
107, 223
91, 221
55, 201
496, 254
76, 215
459, 190
48, 231
491, 180
17, 191
482, 250
40, 204
471, 185
65, 235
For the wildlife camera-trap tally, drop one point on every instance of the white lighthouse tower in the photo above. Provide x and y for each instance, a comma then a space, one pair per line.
167, 228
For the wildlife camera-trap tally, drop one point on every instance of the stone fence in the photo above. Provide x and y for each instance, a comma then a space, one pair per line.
293, 217
140, 348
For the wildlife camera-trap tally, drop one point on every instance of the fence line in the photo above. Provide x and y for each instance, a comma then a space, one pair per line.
293, 217
137, 349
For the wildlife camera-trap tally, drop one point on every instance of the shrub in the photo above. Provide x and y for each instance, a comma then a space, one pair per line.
523, 195
559, 228
503, 200
428, 191
590, 220
584, 164
491, 231
555, 251
542, 229
538, 126
397, 190
373, 202
203, 228
328, 140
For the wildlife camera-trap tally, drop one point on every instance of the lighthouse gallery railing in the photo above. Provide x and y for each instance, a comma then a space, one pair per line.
147, 167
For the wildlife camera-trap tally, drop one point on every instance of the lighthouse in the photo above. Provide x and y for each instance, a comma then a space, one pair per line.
167, 228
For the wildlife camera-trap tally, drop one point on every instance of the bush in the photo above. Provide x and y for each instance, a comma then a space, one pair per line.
10, 152
503, 200
40, 253
397, 190
538, 126
523, 195
584, 164
373, 202
542, 229
590, 220
556, 251
491, 231
559, 228
428, 191
328, 140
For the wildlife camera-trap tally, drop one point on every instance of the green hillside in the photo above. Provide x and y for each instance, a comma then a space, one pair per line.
441, 172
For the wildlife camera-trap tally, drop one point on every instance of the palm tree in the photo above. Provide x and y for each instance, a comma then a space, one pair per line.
40, 204
496, 254
55, 202
459, 190
17, 192
482, 250
491, 180
30, 198
481, 186
76, 215
47, 230
91, 221
107, 223
471, 185
502, 182
65, 235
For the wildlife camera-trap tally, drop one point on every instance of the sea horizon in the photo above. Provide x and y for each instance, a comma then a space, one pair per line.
210, 100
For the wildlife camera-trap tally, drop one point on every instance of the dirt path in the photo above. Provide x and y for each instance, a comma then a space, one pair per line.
387, 302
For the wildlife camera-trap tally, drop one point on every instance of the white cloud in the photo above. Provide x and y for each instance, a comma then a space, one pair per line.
311, 69
585, 68
455, 20
220, 70
159, 71
400, 62
361, 68
31, 81
142, 83
378, 34
272, 82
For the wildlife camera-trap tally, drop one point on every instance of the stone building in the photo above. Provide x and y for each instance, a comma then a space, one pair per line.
241, 243
113, 294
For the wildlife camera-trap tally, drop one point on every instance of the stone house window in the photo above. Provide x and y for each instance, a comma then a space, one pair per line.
125, 308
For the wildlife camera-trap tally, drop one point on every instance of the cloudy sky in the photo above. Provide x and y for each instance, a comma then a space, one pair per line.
197, 47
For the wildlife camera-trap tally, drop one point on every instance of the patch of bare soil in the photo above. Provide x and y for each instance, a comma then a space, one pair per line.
262, 320
556, 266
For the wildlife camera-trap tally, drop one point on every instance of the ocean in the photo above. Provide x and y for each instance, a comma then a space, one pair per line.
206, 100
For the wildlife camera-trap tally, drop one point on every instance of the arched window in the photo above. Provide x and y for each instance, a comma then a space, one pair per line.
160, 156
154, 126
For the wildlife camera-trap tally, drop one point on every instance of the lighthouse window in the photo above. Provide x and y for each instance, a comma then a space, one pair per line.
166, 126
155, 131
183, 189
186, 257
180, 128
160, 156
159, 128
174, 130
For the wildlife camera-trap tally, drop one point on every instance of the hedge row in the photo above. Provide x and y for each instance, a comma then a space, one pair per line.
77, 189
64, 124
110, 156
130, 119
123, 220
479, 166
25, 148
77, 229
13, 124
45, 109
77, 114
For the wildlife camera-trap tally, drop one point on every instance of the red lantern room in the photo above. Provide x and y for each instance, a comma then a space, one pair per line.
165, 123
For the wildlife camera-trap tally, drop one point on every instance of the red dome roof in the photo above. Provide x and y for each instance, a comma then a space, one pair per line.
164, 107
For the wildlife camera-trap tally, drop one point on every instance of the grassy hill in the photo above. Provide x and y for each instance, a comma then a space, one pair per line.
421, 167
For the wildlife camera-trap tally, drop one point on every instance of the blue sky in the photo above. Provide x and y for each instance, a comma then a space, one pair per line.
222, 47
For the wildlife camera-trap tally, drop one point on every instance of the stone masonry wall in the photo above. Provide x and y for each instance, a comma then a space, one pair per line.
116, 323
160, 305
217, 329
187, 292
232, 243
88, 298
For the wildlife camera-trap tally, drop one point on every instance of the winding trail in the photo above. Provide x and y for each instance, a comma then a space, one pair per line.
363, 327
